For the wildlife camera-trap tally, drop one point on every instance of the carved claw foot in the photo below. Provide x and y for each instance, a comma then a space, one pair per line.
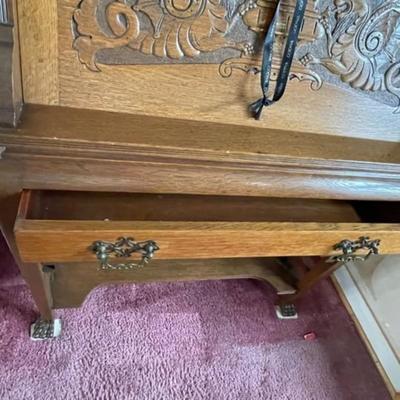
286, 311
43, 330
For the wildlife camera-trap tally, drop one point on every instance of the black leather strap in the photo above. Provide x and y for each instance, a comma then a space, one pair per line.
257, 107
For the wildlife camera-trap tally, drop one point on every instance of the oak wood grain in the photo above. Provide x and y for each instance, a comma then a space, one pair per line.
121, 134
150, 133
72, 282
60, 148
53, 74
315, 274
131, 89
185, 226
111, 206
40, 286
38, 27
61, 241
35, 159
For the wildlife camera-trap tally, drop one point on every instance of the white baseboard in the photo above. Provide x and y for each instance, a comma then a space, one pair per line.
377, 340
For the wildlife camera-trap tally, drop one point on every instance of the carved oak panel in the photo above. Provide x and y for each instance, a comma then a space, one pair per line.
353, 44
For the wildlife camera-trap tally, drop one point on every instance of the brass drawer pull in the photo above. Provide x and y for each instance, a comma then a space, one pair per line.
350, 248
123, 247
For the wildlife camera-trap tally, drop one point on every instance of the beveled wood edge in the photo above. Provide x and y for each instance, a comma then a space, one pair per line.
24, 204
211, 171
48, 226
117, 130
286, 177
16, 145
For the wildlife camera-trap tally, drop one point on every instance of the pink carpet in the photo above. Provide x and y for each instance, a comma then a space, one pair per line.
207, 340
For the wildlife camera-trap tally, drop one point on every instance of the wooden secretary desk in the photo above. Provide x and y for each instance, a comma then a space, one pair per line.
135, 158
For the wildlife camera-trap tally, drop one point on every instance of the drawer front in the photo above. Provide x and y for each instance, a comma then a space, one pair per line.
62, 226
63, 241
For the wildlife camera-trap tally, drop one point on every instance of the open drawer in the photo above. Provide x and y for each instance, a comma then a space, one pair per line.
63, 226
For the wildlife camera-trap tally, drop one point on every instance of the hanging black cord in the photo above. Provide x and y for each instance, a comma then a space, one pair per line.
257, 107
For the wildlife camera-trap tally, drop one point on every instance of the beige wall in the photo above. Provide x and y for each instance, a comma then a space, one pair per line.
378, 280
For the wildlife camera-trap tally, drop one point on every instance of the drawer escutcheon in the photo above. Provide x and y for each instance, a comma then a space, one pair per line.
123, 247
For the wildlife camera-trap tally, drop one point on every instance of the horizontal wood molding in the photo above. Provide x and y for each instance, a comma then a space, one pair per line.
17, 145
61, 148
228, 140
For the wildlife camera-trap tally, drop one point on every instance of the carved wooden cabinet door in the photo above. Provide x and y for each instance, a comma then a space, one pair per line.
199, 59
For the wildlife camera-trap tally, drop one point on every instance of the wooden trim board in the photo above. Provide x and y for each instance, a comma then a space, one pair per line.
168, 155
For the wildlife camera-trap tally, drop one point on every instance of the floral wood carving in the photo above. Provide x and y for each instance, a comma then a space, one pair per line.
361, 47
226, 32
353, 44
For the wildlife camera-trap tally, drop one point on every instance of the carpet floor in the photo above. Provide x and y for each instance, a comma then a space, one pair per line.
200, 340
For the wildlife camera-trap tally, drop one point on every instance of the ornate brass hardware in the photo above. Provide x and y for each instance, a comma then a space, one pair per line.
123, 247
349, 249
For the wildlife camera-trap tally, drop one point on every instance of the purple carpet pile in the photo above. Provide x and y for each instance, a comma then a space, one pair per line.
200, 340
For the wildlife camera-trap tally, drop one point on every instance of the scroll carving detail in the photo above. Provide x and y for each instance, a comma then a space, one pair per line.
350, 43
362, 46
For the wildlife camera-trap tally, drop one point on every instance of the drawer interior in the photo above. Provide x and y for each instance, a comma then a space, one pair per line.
100, 206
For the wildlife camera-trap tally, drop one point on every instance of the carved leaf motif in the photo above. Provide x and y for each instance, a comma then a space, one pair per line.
175, 28
178, 34
84, 16
91, 38
363, 44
